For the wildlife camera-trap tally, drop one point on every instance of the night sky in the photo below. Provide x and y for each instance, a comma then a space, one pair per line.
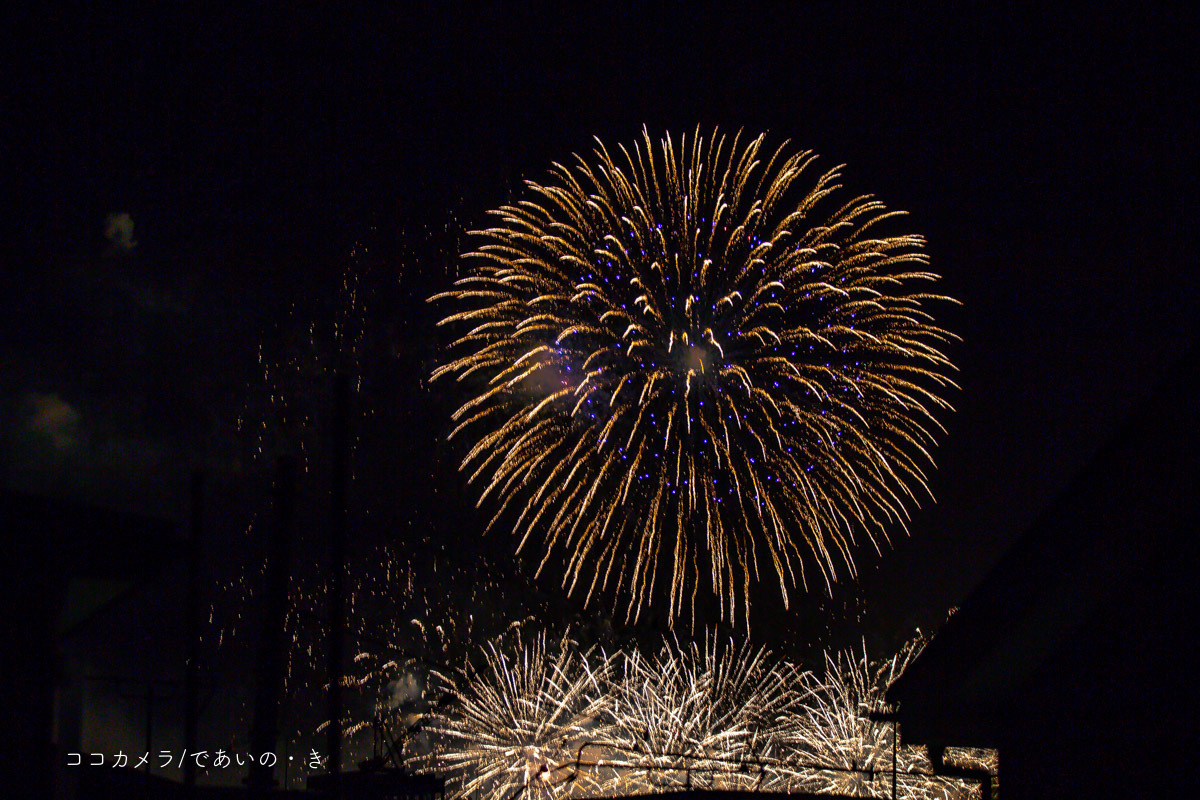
1048, 160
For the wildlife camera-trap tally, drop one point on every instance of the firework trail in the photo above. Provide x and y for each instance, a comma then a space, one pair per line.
691, 365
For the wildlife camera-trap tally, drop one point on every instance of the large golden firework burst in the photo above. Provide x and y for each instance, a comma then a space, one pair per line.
693, 363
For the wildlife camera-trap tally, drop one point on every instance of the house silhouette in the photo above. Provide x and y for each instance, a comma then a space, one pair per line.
67, 561
1075, 656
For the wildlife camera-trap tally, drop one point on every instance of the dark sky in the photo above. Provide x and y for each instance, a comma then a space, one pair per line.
1047, 158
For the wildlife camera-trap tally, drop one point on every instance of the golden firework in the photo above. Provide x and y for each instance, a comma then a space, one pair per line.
690, 365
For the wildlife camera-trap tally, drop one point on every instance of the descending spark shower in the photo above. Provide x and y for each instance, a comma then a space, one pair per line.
692, 364
551, 721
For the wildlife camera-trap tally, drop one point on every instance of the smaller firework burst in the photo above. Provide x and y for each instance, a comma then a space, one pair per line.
841, 749
516, 722
710, 716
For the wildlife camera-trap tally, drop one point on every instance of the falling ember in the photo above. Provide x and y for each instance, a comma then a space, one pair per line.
690, 366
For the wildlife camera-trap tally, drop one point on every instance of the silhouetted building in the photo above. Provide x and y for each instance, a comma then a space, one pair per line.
382, 784
66, 561
1074, 657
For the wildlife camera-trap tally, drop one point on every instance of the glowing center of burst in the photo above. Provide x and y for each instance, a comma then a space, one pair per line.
697, 358
691, 353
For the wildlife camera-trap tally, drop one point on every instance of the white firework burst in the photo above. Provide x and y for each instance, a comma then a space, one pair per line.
516, 721
551, 722
841, 747
711, 716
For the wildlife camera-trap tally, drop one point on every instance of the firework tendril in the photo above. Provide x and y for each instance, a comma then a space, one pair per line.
693, 364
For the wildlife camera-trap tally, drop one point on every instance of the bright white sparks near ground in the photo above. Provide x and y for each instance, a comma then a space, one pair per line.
547, 720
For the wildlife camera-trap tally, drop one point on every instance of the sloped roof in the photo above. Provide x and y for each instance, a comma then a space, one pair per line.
78, 557
1126, 524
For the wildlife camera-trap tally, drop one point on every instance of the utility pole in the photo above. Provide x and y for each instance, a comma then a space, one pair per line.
265, 731
339, 477
191, 676
895, 744
889, 716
